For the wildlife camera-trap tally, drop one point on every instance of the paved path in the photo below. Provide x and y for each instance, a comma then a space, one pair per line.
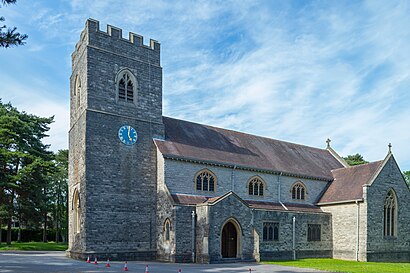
56, 262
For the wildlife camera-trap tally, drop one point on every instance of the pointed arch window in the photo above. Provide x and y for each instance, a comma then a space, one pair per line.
76, 209
390, 215
77, 91
205, 181
256, 186
126, 86
167, 230
298, 191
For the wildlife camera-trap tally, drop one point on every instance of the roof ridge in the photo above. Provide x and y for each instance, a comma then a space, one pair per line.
359, 165
249, 134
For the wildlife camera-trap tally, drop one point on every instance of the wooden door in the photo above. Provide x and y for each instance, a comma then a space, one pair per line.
229, 241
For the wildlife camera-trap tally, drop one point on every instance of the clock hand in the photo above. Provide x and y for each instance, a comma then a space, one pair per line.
129, 129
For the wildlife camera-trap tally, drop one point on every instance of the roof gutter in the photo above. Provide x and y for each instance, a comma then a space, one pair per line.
340, 202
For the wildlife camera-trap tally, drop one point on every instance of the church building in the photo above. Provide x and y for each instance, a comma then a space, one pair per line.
143, 186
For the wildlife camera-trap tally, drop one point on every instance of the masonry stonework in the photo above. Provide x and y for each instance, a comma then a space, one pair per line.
349, 226
379, 247
118, 190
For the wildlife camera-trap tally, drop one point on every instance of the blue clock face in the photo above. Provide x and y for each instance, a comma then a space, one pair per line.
127, 135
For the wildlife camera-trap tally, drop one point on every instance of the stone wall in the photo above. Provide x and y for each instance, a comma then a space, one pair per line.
344, 223
180, 176
230, 209
76, 182
211, 219
380, 248
183, 233
165, 210
119, 189
283, 248
202, 234
77, 144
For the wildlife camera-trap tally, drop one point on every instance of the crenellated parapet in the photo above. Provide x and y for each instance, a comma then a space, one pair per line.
112, 40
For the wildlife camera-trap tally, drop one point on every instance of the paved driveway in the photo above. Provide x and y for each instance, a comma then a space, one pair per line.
50, 262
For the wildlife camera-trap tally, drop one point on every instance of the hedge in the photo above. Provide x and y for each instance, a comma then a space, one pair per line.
28, 235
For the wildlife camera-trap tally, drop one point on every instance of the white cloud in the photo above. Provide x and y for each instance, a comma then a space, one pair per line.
296, 71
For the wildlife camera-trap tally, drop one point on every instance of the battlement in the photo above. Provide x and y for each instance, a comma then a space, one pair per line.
114, 32
92, 34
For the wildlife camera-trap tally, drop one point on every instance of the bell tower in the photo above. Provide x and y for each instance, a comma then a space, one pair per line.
115, 112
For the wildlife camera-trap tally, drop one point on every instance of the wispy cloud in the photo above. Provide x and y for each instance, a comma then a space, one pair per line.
299, 71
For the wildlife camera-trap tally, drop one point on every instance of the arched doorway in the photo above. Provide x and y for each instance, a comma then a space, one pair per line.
229, 241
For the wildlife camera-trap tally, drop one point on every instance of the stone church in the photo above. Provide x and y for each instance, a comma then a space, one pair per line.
144, 186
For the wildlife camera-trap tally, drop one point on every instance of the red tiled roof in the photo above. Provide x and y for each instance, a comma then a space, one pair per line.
185, 199
194, 141
265, 205
302, 207
348, 182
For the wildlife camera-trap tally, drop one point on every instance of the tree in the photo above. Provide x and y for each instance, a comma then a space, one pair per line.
356, 159
406, 175
9, 36
59, 195
24, 162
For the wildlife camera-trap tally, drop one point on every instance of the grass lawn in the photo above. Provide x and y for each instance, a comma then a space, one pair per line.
34, 246
346, 266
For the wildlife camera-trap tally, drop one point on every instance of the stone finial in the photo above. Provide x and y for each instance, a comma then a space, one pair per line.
328, 142
389, 148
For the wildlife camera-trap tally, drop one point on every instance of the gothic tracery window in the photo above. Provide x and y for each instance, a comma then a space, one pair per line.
205, 181
256, 186
126, 86
298, 191
390, 215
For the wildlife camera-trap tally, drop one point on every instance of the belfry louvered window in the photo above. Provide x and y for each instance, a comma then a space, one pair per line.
126, 88
205, 181
255, 186
390, 215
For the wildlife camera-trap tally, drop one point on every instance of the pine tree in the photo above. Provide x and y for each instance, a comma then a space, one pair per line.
8, 36
25, 162
356, 159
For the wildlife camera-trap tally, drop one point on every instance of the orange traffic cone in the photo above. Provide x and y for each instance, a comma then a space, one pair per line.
146, 269
108, 263
88, 259
125, 266
95, 260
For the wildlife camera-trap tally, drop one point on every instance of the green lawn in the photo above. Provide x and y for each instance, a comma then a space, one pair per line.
34, 246
346, 266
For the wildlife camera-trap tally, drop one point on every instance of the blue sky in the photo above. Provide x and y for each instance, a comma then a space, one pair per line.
300, 71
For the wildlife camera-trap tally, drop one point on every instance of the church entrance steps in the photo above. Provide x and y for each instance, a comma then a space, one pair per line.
232, 260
